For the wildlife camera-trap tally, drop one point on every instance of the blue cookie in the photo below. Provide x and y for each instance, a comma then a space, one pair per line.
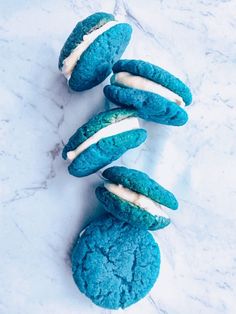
132, 196
101, 41
115, 264
103, 139
154, 92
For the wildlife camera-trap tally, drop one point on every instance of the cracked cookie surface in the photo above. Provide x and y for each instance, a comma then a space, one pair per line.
115, 264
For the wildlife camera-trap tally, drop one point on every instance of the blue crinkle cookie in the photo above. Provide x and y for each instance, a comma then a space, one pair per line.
140, 183
96, 62
156, 74
106, 149
150, 106
115, 264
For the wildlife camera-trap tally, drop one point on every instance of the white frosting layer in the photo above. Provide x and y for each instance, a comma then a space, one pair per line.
137, 199
70, 62
110, 130
139, 82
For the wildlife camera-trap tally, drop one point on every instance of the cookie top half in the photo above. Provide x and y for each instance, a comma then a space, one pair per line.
115, 264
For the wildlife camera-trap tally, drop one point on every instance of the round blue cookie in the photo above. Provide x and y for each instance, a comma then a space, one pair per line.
96, 62
106, 149
150, 106
141, 183
155, 74
115, 264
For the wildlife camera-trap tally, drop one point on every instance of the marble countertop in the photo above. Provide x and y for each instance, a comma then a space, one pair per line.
43, 208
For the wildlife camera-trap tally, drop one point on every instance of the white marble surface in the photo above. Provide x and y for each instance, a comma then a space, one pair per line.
43, 208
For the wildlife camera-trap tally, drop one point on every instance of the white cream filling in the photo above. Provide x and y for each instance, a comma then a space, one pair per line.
139, 82
110, 130
137, 199
70, 62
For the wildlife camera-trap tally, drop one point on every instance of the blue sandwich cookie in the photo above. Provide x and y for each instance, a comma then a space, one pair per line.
132, 196
156, 94
92, 48
103, 139
115, 264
